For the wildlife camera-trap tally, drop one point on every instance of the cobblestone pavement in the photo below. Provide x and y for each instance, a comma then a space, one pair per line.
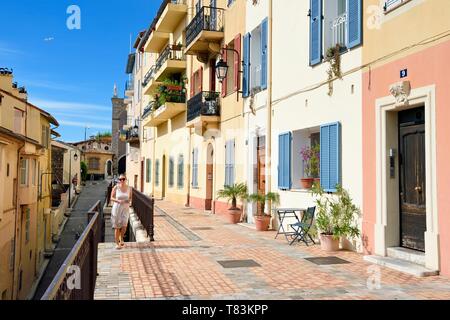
183, 263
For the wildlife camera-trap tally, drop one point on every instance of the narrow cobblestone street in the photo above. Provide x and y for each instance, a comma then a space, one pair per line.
184, 262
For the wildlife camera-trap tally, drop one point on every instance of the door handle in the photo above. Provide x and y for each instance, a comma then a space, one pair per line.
418, 189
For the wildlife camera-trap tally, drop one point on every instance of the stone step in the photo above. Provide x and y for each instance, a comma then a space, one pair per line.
402, 266
413, 256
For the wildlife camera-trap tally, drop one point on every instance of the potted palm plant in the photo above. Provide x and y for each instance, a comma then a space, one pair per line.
233, 193
336, 217
262, 220
311, 165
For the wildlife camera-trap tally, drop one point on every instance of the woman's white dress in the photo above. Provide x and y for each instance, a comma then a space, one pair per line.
120, 212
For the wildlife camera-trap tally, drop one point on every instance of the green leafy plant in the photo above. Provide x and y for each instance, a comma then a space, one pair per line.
333, 56
232, 193
336, 214
260, 199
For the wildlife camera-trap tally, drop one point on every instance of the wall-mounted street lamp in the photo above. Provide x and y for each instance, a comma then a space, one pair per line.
222, 67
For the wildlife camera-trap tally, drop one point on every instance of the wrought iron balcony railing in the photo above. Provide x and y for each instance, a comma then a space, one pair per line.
206, 103
148, 109
392, 4
129, 85
338, 31
207, 19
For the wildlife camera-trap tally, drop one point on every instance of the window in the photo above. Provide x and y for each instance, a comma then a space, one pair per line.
233, 80
291, 167
197, 82
230, 2
255, 59
195, 168
149, 170
157, 172
180, 180
19, 121
229, 162
171, 172
305, 144
332, 23
24, 172
26, 212
1, 99
94, 163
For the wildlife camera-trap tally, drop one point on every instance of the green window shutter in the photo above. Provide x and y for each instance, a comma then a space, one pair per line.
180, 171
171, 172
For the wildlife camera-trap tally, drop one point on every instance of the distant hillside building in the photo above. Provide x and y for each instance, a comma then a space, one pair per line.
98, 155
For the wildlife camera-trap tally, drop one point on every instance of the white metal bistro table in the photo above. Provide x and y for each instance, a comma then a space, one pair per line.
284, 213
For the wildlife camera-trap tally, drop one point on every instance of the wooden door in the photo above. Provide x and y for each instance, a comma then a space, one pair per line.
261, 167
412, 185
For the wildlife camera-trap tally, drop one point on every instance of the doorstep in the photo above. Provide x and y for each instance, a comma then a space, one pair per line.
402, 266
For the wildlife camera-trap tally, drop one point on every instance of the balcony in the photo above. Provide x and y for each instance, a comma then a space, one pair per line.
149, 83
203, 109
171, 60
171, 14
205, 32
170, 102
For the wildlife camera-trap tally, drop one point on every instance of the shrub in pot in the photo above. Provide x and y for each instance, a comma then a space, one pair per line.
262, 220
311, 165
232, 193
336, 216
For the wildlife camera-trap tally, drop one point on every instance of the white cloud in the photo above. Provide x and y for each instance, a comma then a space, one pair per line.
49, 85
6, 50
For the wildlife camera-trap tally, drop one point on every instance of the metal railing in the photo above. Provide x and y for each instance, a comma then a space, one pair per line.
148, 109
129, 84
205, 103
338, 31
76, 277
108, 193
144, 208
171, 52
208, 19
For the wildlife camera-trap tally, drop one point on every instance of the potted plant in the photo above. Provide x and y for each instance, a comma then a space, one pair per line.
311, 165
336, 217
262, 220
232, 193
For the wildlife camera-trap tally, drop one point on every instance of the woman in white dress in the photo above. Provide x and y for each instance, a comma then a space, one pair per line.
121, 197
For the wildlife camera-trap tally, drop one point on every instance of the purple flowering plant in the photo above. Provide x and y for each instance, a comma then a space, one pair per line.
311, 160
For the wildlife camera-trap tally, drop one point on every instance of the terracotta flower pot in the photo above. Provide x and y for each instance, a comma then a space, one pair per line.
328, 243
234, 215
307, 183
262, 223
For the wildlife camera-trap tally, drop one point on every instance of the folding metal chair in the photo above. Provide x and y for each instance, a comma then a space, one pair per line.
303, 227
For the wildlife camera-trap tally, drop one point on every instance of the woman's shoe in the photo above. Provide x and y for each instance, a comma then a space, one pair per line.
118, 246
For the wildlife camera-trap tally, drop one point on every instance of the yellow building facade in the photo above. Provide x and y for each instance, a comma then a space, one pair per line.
25, 169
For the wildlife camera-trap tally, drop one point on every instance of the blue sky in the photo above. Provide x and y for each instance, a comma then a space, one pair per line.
71, 73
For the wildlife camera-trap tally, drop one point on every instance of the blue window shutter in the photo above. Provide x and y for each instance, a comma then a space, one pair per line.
246, 71
284, 161
354, 23
264, 49
232, 147
315, 46
330, 156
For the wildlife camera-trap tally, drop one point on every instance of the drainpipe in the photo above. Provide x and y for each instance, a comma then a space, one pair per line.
269, 107
15, 221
